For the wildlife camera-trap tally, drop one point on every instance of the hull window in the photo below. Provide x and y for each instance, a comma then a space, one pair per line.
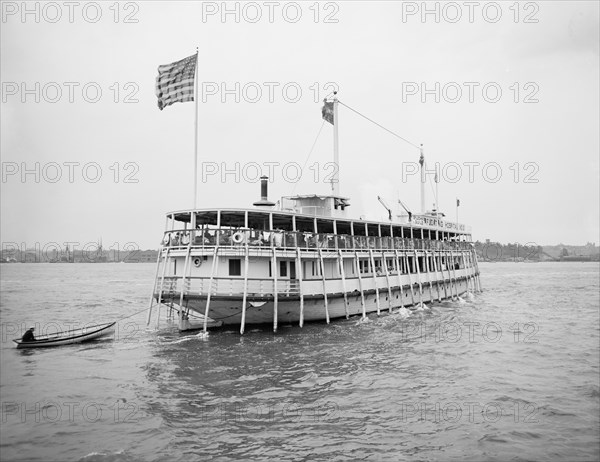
235, 267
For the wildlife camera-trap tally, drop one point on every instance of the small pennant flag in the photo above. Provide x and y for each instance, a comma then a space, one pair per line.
457, 202
327, 112
175, 82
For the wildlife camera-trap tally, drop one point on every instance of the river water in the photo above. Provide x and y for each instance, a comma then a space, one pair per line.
511, 374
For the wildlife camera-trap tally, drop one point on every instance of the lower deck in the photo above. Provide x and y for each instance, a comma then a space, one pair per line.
229, 310
286, 286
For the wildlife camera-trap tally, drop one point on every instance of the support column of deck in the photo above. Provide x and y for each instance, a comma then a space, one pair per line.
469, 257
446, 280
437, 283
471, 271
387, 278
300, 285
322, 263
412, 295
162, 285
342, 273
476, 272
426, 259
449, 276
245, 296
477, 279
183, 286
374, 281
360, 285
454, 273
418, 277
399, 278
443, 276
463, 255
275, 288
158, 257
161, 254
214, 267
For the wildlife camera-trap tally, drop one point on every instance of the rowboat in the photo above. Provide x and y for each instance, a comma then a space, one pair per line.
68, 336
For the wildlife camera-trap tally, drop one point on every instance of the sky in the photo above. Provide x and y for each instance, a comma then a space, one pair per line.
503, 96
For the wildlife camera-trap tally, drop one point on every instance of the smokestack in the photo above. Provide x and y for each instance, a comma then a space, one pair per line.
264, 200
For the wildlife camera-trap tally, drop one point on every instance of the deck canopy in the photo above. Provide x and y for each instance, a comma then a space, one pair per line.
289, 221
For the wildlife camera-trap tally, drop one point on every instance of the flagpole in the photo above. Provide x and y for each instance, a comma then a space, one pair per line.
422, 162
335, 180
437, 205
196, 131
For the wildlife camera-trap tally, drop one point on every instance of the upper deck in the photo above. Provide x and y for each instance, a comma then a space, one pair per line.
308, 221
419, 227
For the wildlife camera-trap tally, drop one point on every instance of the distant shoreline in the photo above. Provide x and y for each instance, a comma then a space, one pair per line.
487, 251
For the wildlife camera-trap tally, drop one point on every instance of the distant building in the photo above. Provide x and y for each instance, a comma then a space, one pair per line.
141, 256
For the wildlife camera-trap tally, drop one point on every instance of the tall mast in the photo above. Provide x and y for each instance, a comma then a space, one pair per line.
196, 133
437, 207
335, 180
422, 162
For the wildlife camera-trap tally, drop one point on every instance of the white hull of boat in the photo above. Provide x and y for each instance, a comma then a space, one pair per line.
229, 311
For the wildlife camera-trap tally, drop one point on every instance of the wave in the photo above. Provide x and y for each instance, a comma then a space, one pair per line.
118, 456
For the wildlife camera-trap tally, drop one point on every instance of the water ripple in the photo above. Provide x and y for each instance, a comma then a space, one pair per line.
511, 374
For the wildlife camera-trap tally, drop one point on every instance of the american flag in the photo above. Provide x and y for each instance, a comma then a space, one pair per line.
327, 112
175, 82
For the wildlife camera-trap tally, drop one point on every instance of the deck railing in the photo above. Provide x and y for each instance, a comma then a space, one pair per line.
227, 286
303, 240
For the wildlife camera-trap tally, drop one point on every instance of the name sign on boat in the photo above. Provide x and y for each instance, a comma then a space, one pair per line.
438, 223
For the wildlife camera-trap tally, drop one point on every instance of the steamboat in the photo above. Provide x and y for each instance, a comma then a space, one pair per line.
305, 259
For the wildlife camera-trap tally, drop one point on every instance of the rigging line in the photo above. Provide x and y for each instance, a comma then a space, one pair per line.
129, 316
433, 193
432, 190
379, 125
309, 154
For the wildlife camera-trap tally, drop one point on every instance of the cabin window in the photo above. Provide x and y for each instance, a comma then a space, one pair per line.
378, 269
283, 269
316, 268
390, 264
235, 267
364, 266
